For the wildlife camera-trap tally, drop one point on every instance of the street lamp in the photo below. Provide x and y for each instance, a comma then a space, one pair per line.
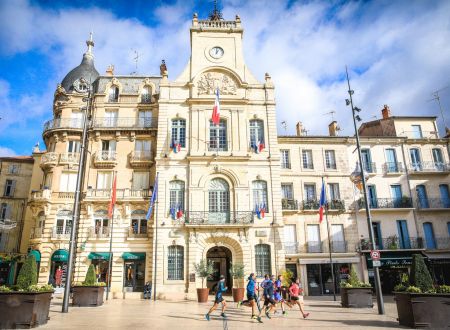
359, 178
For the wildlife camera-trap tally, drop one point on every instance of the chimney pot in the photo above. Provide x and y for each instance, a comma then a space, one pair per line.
110, 70
299, 128
386, 112
333, 128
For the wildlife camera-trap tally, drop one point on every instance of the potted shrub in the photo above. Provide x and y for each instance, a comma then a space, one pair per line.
355, 293
237, 273
287, 280
203, 269
26, 304
419, 303
90, 292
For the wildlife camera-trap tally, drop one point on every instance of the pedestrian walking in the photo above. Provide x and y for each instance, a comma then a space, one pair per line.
269, 302
221, 288
251, 296
296, 296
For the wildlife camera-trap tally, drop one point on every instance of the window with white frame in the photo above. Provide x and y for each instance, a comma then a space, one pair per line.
145, 118
262, 260
13, 168
285, 159
104, 180
307, 159
41, 220
179, 132
176, 192
138, 222
48, 180
416, 132
110, 119
256, 132
67, 182
146, 95
10, 186
101, 222
113, 94
63, 222
337, 238
290, 239
330, 159
73, 146
333, 191
142, 149
141, 180
218, 136
313, 238
76, 118
287, 191
175, 262
259, 188
310, 192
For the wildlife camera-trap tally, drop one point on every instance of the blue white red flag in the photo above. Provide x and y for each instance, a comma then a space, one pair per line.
153, 199
216, 110
322, 202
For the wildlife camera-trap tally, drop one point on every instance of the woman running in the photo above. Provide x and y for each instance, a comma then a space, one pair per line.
221, 288
251, 296
296, 293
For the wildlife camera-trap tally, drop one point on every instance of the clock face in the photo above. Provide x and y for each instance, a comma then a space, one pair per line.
216, 52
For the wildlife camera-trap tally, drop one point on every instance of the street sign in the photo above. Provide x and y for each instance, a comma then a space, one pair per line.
375, 255
376, 263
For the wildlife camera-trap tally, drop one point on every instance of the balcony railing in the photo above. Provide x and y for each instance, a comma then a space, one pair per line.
392, 243
99, 232
310, 205
428, 167
387, 203
141, 158
336, 205
370, 167
205, 218
49, 159
41, 195
105, 158
69, 158
442, 243
217, 24
36, 233
314, 247
289, 204
393, 167
120, 193
433, 203
217, 145
125, 123
338, 246
292, 247
60, 123
64, 194
137, 232
62, 233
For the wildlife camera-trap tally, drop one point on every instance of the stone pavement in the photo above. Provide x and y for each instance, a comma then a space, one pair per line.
144, 314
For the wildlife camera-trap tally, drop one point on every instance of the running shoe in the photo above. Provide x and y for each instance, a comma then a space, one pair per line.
268, 316
254, 317
207, 317
259, 319
239, 304
305, 315
223, 315
284, 313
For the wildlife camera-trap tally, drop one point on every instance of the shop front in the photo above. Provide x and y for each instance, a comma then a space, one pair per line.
439, 265
58, 269
100, 260
134, 271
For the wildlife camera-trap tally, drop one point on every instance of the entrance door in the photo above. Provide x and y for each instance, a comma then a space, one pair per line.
415, 159
429, 235
134, 275
219, 202
220, 257
422, 196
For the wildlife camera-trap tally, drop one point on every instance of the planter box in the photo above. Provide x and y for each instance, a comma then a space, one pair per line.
87, 296
356, 297
423, 310
238, 294
202, 295
20, 310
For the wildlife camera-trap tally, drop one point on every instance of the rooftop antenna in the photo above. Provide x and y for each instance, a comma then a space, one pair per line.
437, 98
284, 125
136, 59
332, 112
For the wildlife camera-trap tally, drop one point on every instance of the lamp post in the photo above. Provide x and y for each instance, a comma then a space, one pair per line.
359, 178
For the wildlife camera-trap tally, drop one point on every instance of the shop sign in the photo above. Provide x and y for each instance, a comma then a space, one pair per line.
396, 262
261, 233
376, 263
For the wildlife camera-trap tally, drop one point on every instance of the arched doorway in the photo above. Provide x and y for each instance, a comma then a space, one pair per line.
220, 256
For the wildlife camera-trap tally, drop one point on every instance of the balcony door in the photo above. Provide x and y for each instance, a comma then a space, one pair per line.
337, 238
377, 235
391, 161
110, 118
313, 239
429, 235
445, 195
366, 160
145, 118
396, 193
219, 202
422, 196
438, 159
415, 159
403, 235
372, 196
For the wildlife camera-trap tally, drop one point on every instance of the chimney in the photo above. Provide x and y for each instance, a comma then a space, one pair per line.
299, 128
110, 70
386, 112
333, 128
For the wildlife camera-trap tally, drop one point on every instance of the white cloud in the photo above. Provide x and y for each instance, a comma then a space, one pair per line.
7, 152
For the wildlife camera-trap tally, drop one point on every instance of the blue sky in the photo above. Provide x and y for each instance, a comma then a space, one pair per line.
397, 53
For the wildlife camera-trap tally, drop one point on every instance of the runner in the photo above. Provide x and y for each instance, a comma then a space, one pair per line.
278, 294
296, 293
268, 296
221, 288
251, 296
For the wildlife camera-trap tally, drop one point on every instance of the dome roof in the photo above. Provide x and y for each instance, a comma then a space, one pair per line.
85, 70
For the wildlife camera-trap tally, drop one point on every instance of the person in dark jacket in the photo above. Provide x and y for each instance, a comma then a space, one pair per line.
221, 288
269, 301
251, 296
148, 290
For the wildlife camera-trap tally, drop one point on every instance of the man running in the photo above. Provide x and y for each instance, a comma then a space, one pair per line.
296, 293
221, 288
278, 294
268, 296
251, 296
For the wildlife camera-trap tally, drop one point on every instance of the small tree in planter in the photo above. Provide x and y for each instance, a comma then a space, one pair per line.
418, 302
237, 273
90, 292
355, 293
31, 301
203, 269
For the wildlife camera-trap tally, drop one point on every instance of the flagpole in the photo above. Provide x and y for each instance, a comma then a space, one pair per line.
156, 237
110, 244
329, 246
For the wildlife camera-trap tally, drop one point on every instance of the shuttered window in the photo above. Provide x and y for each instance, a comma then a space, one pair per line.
175, 262
262, 259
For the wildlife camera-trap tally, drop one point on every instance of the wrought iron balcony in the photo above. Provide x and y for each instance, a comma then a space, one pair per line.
69, 158
393, 168
99, 232
336, 205
429, 167
217, 145
49, 160
205, 218
392, 243
310, 204
131, 123
442, 243
292, 247
338, 246
370, 168
105, 158
289, 204
138, 232
387, 203
140, 158
61, 233
120, 193
63, 123
314, 247
433, 203
64, 195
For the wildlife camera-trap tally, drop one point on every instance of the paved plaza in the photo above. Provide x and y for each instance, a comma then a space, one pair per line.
144, 314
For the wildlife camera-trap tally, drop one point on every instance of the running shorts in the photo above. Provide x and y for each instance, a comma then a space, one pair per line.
251, 296
268, 301
218, 300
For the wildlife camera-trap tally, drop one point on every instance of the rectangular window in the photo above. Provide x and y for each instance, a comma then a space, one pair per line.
307, 159
262, 260
438, 160
67, 182
145, 118
13, 168
259, 188
416, 163
176, 191
403, 235
310, 192
287, 191
256, 132
391, 161
5, 211
337, 238
333, 190
445, 195
313, 239
367, 160
10, 186
179, 132
330, 159
108, 145
141, 180
218, 136
285, 159
74, 146
175, 262
104, 180
290, 239
110, 118
142, 149
416, 132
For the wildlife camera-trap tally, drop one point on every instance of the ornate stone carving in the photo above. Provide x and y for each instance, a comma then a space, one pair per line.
210, 81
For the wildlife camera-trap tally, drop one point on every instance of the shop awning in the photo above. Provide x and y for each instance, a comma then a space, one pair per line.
438, 257
336, 260
133, 256
98, 256
60, 255
36, 254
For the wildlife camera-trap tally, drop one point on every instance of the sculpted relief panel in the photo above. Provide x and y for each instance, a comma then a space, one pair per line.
210, 81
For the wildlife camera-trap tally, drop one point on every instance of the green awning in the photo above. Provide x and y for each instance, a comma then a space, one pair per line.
98, 256
36, 254
133, 256
60, 255
392, 259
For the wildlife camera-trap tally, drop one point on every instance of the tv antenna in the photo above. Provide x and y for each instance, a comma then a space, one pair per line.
437, 97
284, 125
136, 59
332, 113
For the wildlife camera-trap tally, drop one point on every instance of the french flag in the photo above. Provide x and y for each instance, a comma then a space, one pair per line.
176, 147
323, 202
261, 146
216, 110
179, 211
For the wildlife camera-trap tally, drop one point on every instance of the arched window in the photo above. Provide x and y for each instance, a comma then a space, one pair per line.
179, 132
176, 190
430, 241
259, 188
101, 223
175, 262
113, 95
256, 132
146, 96
63, 222
219, 201
218, 136
262, 260
138, 223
